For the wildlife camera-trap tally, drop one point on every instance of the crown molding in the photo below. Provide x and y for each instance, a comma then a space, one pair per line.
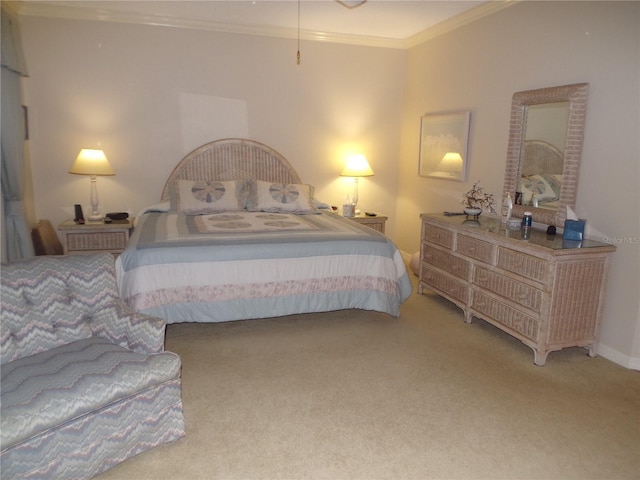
88, 13
453, 23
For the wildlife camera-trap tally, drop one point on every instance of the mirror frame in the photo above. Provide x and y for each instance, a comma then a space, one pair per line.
576, 95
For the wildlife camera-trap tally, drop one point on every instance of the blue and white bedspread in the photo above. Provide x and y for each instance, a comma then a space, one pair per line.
243, 265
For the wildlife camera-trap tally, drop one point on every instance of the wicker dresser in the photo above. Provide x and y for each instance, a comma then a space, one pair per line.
544, 291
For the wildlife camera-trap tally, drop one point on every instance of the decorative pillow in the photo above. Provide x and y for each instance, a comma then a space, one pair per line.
198, 197
542, 186
280, 198
555, 180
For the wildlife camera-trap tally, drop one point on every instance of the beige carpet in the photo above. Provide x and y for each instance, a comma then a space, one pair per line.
361, 395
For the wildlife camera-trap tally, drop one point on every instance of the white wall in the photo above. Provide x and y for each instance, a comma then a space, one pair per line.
533, 45
149, 95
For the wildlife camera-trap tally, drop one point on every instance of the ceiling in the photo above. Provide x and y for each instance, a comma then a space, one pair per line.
389, 23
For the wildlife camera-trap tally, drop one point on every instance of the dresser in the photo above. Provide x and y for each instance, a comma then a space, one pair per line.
544, 291
93, 237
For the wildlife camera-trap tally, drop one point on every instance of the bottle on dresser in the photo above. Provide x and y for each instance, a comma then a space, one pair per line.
525, 226
507, 206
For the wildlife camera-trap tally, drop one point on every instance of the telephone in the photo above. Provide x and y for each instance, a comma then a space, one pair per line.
79, 218
117, 216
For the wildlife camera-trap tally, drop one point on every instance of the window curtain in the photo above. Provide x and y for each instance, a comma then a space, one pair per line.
16, 238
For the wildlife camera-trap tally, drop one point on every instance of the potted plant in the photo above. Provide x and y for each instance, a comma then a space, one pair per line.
476, 200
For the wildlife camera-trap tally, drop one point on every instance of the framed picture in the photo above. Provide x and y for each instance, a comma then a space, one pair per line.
443, 145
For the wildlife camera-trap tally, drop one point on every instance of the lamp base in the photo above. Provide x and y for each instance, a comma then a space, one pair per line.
94, 218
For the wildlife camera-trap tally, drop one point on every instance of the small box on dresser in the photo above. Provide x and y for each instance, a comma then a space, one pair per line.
544, 291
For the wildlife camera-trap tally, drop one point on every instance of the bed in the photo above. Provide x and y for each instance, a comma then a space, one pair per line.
237, 236
542, 169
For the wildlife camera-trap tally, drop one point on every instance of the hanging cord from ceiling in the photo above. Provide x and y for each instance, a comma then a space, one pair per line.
344, 3
298, 53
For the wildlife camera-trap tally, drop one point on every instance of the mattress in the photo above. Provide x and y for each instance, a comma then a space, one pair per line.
244, 265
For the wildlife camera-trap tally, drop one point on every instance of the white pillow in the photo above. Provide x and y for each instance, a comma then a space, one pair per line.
280, 198
542, 186
198, 197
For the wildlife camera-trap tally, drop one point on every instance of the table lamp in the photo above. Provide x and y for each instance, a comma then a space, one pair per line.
93, 163
357, 166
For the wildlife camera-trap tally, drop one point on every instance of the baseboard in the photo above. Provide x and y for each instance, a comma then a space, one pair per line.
632, 363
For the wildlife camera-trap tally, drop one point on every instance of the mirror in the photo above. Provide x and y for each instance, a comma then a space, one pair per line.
542, 159
544, 150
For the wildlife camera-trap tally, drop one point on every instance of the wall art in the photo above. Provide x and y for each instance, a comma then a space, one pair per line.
443, 145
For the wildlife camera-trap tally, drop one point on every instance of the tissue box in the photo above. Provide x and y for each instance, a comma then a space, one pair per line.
573, 230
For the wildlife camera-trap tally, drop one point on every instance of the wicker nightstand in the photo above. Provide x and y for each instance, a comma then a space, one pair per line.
377, 222
95, 237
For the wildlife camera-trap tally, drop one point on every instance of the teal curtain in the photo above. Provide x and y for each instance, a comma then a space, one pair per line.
16, 238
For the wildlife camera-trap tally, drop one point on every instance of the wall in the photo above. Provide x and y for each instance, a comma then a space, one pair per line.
148, 95
533, 45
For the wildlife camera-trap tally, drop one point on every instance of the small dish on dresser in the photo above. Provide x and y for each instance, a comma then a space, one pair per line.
473, 212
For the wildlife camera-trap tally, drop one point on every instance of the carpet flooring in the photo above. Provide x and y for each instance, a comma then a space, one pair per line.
362, 395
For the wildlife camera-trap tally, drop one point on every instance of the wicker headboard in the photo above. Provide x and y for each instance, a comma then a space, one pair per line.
233, 159
541, 157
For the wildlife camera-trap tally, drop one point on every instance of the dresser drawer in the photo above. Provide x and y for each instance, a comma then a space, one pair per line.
97, 241
445, 261
506, 315
437, 235
525, 265
445, 283
521, 293
474, 248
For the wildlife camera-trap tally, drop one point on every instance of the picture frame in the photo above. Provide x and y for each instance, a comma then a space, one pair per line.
443, 145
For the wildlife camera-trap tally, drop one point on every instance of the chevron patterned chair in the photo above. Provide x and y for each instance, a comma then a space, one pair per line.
85, 383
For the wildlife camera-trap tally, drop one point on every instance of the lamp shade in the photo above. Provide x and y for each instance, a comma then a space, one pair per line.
357, 166
451, 162
91, 162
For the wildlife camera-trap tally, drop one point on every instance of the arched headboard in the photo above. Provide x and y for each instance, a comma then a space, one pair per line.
541, 157
233, 159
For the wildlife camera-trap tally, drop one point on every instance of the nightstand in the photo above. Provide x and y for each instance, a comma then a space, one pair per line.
377, 222
93, 237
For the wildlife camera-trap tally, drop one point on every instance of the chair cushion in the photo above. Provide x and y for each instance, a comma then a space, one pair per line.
53, 300
50, 388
